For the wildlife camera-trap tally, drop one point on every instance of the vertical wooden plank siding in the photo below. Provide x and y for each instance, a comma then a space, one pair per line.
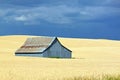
56, 50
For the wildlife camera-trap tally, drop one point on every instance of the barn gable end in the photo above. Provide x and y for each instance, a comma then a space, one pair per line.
43, 47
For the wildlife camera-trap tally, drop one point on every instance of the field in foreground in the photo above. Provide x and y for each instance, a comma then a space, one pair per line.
92, 59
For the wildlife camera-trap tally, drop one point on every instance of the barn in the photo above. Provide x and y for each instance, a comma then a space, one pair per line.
44, 47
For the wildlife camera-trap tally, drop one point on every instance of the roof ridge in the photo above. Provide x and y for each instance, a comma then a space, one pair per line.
50, 43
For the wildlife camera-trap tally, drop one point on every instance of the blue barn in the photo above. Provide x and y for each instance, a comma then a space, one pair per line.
44, 47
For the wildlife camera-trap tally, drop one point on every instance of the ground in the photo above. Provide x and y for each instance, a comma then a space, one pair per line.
89, 57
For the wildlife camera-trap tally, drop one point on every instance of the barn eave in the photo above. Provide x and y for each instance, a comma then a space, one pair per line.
28, 53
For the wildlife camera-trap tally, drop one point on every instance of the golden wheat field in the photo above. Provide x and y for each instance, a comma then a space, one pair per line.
91, 57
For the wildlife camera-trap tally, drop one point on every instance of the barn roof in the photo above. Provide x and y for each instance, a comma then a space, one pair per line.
36, 44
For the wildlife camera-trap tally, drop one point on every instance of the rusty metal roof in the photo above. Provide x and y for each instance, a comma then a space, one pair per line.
36, 44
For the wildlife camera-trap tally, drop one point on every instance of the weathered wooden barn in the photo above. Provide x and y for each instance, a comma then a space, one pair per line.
43, 47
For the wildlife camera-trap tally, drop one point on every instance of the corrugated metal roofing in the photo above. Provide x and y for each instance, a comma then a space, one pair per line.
36, 44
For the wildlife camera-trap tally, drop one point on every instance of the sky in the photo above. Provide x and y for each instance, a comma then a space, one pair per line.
94, 19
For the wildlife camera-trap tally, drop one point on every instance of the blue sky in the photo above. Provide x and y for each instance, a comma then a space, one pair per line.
64, 18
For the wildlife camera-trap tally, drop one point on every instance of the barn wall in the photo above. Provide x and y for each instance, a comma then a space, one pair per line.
53, 51
66, 53
56, 50
32, 55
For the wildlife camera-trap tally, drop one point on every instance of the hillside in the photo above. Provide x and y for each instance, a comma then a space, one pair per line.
90, 57
81, 47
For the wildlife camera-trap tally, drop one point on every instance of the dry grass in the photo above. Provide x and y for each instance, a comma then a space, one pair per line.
91, 60
100, 77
